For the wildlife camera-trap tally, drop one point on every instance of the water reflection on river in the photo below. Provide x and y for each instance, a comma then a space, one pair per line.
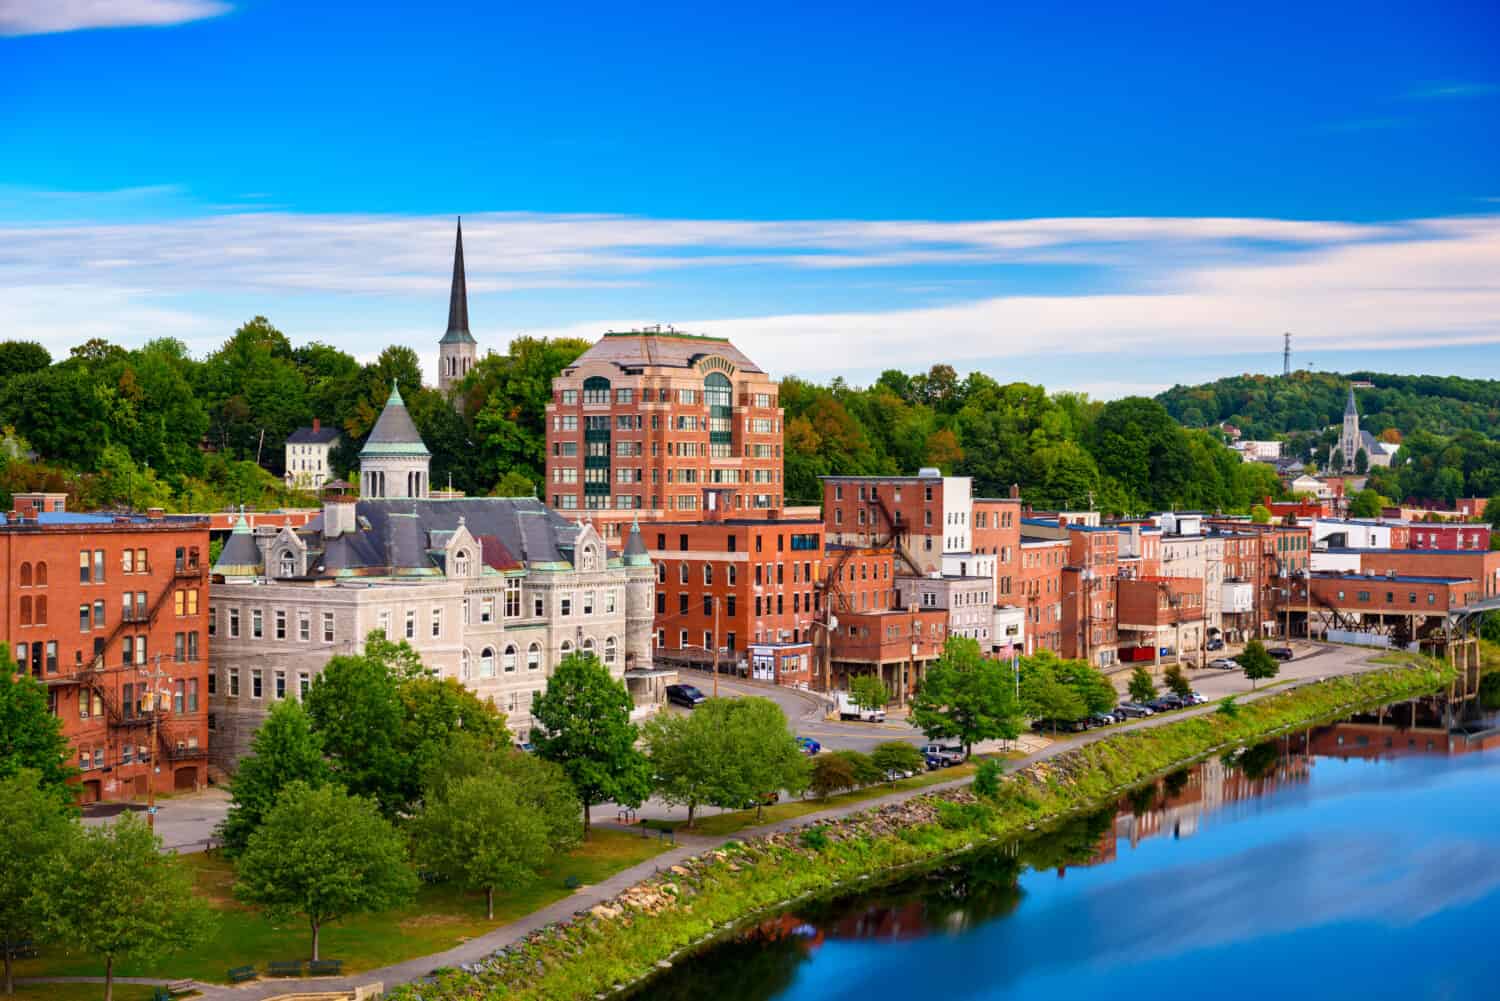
1358, 860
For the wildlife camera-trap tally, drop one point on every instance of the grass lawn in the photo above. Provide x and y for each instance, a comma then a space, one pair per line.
724, 824
440, 918
82, 992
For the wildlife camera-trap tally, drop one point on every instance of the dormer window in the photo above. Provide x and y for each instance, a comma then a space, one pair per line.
461, 563
288, 564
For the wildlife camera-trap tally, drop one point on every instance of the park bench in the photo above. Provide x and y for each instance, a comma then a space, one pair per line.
175, 987
325, 967
21, 950
240, 974
286, 968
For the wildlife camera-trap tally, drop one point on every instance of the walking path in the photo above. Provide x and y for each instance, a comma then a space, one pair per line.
1339, 660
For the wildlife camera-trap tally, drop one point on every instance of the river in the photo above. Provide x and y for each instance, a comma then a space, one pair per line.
1359, 860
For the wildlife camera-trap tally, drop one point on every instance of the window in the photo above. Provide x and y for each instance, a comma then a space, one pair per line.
256, 682
98, 566
609, 602
463, 665
609, 651
192, 646
487, 610
487, 662
257, 628
327, 627
140, 562
41, 574
234, 684
280, 684
588, 603
83, 567
304, 625
437, 623
565, 604
304, 684
533, 657
279, 623
508, 659
213, 621
99, 614
411, 624
538, 607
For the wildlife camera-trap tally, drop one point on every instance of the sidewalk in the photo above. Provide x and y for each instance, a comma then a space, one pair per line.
479, 948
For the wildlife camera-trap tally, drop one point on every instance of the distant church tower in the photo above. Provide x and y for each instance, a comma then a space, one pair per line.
394, 462
1350, 440
457, 350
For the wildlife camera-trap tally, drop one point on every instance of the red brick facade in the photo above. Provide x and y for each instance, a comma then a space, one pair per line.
105, 611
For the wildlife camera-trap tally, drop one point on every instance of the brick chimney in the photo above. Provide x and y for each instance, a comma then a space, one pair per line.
317, 425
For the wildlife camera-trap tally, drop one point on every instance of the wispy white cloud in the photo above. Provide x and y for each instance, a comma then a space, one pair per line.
1175, 286
1451, 90
46, 17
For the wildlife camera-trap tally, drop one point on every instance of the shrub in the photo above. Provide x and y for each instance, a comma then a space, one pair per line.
987, 780
961, 816
815, 838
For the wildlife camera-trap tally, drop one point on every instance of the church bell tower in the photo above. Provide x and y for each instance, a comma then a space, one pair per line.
457, 351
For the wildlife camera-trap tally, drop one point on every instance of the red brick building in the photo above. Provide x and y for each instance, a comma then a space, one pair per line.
997, 534
1161, 613
896, 646
111, 614
1481, 567
741, 586
1445, 535
929, 515
1089, 596
1038, 590
644, 421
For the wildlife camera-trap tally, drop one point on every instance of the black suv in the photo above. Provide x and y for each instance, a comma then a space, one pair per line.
685, 695
1280, 652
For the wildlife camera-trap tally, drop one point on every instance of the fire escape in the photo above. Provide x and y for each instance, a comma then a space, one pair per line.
172, 738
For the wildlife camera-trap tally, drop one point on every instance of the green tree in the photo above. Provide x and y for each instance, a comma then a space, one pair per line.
987, 779
31, 737
1177, 681
831, 774
1366, 503
1257, 662
1096, 691
867, 691
966, 696
481, 835
861, 766
115, 893
1141, 688
685, 758
22, 357
895, 757
541, 785
1260, 514
583, 724
355, 707
284, 750
1135, 441
1044, 696
37, 828
323, 854
1361, 462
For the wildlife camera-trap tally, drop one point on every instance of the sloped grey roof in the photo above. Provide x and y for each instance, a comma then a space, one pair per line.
1350, 408
635, 547
240, 556
394, 433
309, 436
638, 348
396, 536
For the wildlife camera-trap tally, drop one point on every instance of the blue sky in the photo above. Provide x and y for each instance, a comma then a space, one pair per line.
1104, 197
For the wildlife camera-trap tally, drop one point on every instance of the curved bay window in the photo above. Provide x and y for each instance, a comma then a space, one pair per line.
718, 393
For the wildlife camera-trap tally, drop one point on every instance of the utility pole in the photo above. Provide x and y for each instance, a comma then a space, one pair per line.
716, 645
1286, 355
157, 699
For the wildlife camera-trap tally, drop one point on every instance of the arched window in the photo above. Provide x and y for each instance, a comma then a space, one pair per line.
609, 651
567, 647
26, 610
41, 609
595, 389
25, 574
461, 563
586, 561
588, 644
487, 663
463, 665
509, 662
288, 563
717, 390
533, 658
41, 574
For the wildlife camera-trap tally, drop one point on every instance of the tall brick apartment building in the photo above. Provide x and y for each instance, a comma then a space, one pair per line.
108, 611
646, 420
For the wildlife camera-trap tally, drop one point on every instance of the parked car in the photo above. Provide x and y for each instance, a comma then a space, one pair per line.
1216, 644
848, 710
1224, 664
1119, 714
1166, 703
525, 747
1280, 652
947, 755
1101, 719
685, 695
1197, 698
1134, 710
769, 799
809, 746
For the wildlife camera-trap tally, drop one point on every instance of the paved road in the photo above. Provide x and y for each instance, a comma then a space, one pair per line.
1327, 661
186, 821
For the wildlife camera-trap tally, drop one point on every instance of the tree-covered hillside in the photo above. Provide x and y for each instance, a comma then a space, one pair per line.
1264, 406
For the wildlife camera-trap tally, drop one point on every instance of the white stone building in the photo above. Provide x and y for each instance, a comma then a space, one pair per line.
491, 591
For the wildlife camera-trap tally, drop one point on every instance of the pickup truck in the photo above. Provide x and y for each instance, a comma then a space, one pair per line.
848, 710
942, 755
